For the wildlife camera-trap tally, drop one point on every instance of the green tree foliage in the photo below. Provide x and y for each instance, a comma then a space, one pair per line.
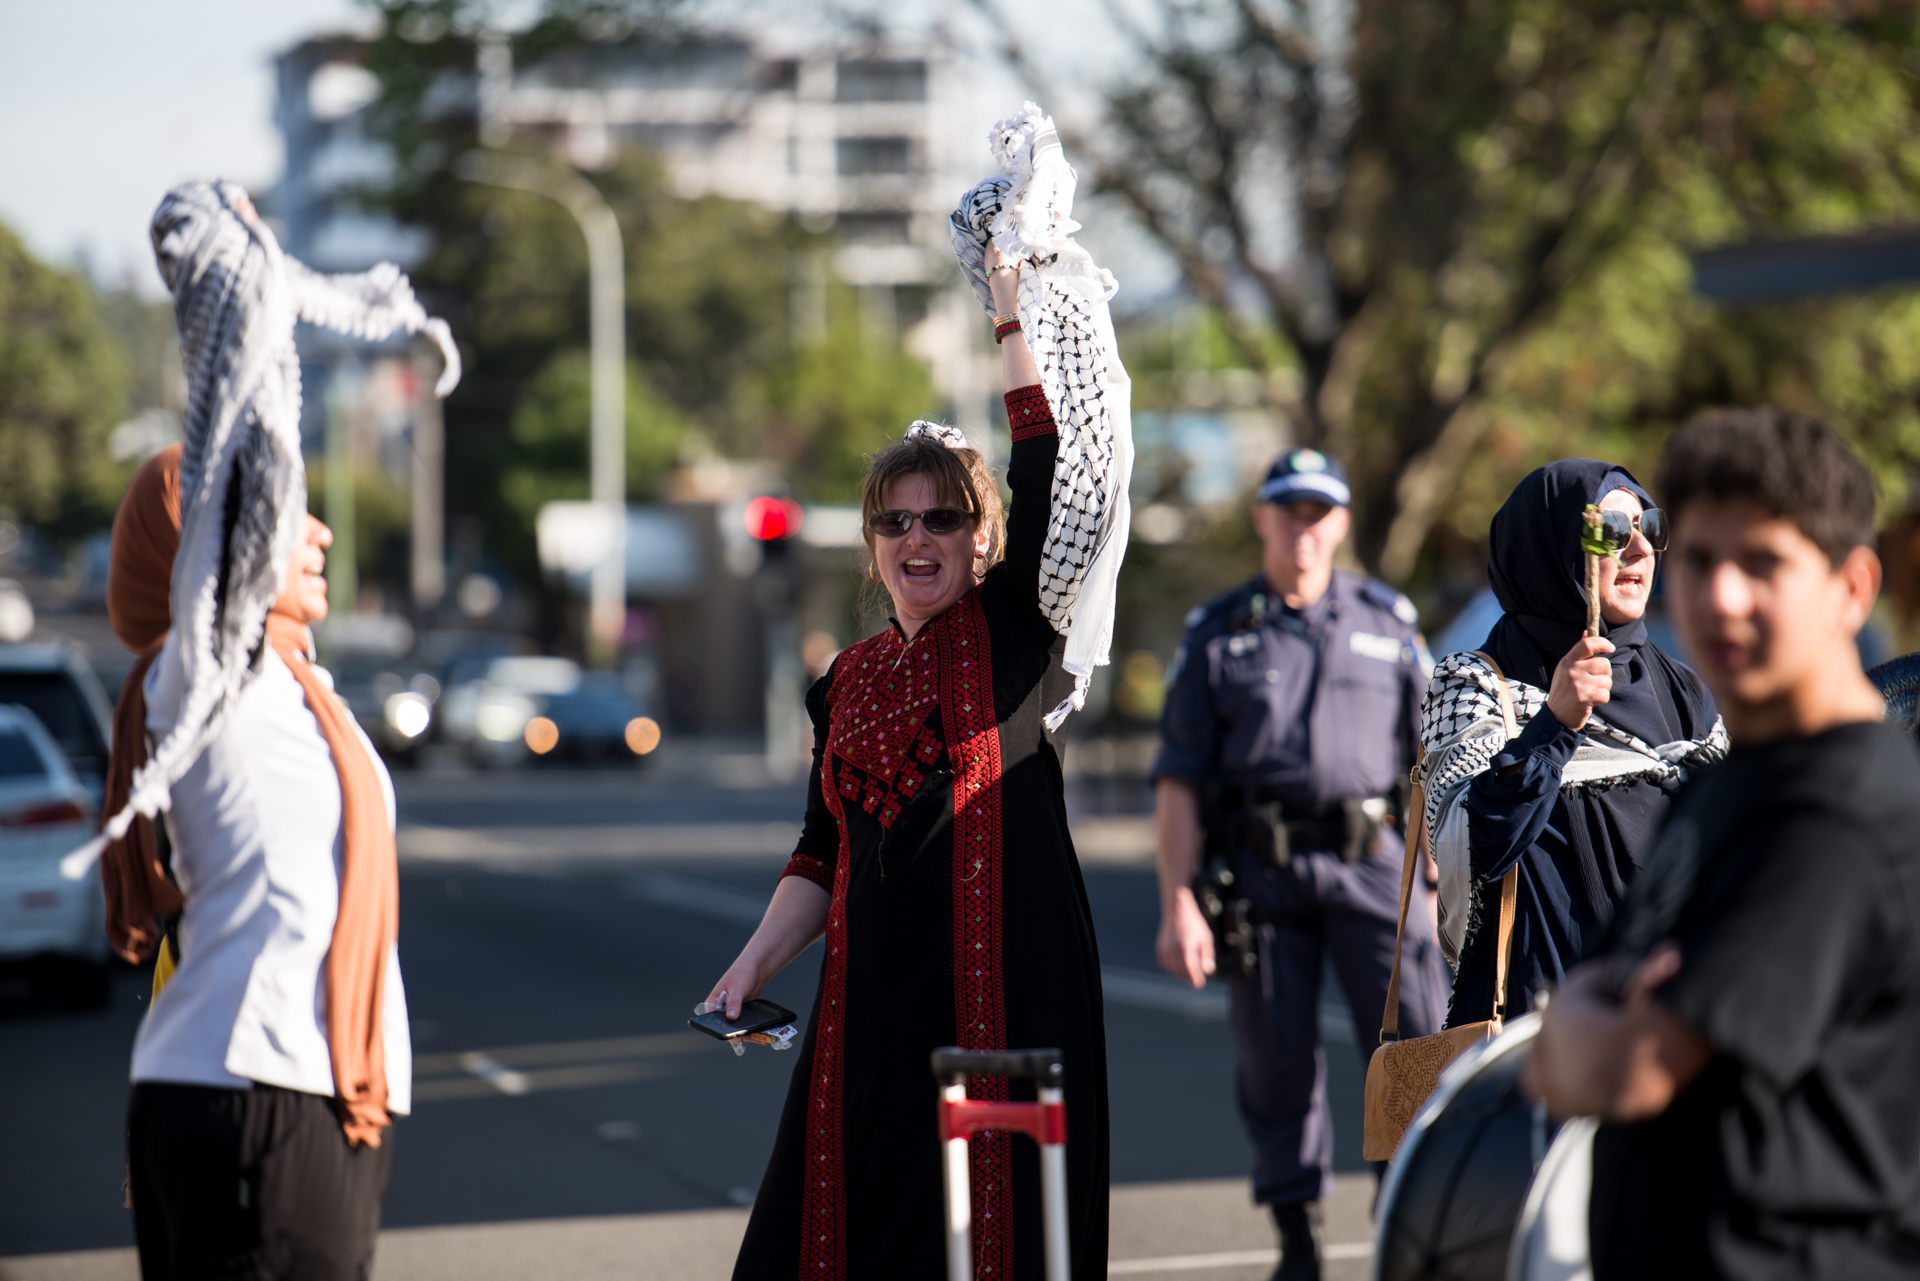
1471, 225
551, 429
708, 285
382, 524
830, 404
62, 388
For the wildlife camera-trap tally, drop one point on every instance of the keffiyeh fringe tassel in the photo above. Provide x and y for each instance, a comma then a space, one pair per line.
1063, 298
243, 489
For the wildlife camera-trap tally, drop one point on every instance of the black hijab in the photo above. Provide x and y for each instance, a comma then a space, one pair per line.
1538, 572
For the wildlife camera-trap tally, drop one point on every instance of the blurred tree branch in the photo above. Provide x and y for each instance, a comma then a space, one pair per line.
1444, 210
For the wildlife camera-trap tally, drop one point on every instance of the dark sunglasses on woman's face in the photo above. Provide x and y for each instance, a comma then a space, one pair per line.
935, 520
1617, 528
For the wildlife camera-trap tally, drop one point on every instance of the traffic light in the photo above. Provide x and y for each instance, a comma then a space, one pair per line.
773, 520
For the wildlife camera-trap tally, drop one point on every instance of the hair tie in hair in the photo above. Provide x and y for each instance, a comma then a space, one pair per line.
939, 433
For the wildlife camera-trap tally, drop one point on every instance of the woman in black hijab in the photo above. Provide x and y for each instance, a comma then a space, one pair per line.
1609, 726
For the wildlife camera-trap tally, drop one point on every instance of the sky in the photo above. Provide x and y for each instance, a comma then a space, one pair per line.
108, 103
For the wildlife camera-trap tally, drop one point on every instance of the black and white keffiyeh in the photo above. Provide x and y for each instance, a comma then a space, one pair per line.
1462, 731
940, 433
1026, 211
243, 488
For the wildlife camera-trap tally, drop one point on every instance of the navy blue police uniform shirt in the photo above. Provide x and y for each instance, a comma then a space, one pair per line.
1315, 707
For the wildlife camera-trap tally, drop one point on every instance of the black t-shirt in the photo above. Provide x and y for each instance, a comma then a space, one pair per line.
1789, 877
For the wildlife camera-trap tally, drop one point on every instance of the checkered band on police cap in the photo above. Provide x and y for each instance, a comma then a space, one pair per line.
1306, 473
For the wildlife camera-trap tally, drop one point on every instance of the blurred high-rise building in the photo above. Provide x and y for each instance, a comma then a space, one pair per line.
869, 145
872, 144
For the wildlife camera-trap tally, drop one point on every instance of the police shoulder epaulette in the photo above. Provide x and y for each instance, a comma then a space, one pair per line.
1394, 601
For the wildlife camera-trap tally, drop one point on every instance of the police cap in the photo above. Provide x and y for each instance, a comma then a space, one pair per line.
1306, 474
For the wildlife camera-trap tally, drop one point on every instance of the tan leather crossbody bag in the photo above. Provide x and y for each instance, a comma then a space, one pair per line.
1402, 1074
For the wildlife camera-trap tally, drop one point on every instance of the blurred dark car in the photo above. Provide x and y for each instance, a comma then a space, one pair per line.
55, 683
502, 710
393, 700
599, 718
387, 690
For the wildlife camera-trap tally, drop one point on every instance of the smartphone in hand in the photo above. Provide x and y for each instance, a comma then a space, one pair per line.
755, 1016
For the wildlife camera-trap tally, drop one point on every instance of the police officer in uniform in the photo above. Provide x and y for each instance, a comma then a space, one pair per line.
1289, 729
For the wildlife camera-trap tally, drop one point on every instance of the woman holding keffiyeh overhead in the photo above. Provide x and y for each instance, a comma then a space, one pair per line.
268, 1069
1609, 727
935, 856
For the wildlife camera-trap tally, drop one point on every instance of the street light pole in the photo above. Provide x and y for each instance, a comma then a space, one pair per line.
606, 272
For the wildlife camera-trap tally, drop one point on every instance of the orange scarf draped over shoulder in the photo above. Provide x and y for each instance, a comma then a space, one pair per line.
369, 918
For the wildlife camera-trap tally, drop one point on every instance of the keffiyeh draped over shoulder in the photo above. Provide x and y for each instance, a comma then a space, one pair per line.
243, 490
1026, 211
1461, 730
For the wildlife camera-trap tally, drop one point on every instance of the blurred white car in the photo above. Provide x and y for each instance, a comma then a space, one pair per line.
54, 927
56, 684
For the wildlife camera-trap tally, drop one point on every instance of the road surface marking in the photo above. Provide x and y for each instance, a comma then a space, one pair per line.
1138, 988
555, 1065
568, 1052
702, 898
488, 1069
1230, 1259
1163, 992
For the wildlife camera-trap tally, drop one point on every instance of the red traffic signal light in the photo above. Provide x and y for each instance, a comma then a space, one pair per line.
772, 519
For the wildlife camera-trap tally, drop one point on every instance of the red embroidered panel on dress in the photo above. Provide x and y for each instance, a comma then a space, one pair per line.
878, 723
879, 750
823, 1196
1027, 413
979, 998
811, 869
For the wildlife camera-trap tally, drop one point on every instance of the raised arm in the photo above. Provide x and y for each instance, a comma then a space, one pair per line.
1030, 468
1068, 349
1016, 358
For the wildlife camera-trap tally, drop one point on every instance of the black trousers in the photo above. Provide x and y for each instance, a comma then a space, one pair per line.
250, 1185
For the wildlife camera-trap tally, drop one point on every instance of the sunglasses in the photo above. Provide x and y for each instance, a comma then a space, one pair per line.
935, 520
1617, 528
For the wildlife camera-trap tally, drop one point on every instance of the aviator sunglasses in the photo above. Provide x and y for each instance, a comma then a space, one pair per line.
1617, 528
935, 520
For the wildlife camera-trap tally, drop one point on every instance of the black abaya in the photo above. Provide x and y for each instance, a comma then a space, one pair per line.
937, 820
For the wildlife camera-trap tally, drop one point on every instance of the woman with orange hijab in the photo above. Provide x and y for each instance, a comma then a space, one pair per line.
237, 1083
272, 1060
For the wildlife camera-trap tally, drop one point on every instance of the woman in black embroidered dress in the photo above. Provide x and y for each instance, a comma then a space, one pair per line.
936, 859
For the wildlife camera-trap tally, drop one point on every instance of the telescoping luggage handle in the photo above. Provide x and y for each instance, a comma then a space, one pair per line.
1045, 1121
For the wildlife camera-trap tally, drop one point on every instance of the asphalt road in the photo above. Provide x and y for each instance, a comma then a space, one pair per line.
556, 928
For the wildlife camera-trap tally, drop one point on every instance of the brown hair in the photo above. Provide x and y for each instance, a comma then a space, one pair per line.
960, 478
1793, 466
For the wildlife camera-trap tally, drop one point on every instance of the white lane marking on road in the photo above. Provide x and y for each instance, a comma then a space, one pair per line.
1209, 1004
1163, 992
702, 898
549, 1053
1139, 988
1229, 1259
490, 1070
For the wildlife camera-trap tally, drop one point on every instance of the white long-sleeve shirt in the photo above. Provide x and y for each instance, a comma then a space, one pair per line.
255, 825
